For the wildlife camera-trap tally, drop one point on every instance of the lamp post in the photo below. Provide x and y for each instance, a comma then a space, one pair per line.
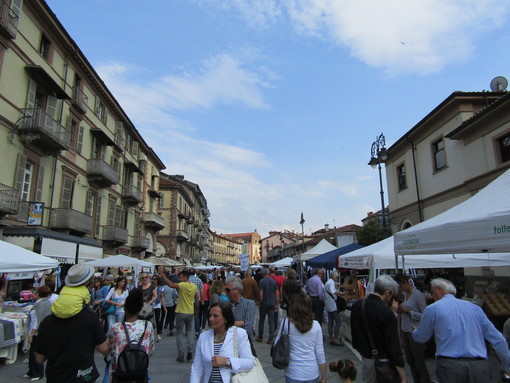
379, 155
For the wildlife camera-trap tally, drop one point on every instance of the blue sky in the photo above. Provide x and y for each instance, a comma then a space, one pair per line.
271, 106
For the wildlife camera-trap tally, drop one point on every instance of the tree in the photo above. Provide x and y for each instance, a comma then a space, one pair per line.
370, 233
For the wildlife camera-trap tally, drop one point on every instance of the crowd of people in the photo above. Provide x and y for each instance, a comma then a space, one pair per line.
212, 315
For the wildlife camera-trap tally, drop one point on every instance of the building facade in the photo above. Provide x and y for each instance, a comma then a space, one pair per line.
225, 250
457, 149
82, 181
186, 218
252, 245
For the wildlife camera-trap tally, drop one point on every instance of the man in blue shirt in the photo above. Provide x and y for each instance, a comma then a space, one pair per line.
315, 289
460, 329
268, 304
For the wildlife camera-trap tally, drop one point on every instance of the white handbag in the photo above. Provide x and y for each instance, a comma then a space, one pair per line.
255, 375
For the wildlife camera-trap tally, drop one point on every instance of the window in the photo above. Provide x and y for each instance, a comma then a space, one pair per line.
67, 192
97, 220
439, 154
27, 181
504, 147
100, 110
45, 47
111, 212
401, 175
89, 203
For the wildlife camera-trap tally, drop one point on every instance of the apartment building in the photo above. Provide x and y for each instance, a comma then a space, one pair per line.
454, 151
186, 218
225, 250
251, 245
272, 245
78, 179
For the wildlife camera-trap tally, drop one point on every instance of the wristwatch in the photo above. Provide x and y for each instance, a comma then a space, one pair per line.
227, 363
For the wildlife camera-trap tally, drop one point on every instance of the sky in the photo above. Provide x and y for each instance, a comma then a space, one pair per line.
271, 106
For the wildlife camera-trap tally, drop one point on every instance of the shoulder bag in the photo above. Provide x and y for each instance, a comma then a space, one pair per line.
280, 351
107, 308
341, 304
385, 372
255, 375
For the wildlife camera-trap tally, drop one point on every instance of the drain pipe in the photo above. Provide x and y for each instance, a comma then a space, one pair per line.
413, 148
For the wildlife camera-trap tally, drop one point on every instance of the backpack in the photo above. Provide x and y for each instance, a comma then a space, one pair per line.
133, 361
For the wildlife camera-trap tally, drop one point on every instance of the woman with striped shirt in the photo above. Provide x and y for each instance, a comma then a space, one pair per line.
215, 360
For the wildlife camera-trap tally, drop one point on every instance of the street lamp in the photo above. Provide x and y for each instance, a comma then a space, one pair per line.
379, 155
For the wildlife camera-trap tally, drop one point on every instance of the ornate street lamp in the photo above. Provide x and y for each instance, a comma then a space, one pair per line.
379, 155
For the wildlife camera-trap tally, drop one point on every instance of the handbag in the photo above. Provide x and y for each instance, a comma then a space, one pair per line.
108, 308
280, 351
147, 311
255, 375
341, 304
385, 372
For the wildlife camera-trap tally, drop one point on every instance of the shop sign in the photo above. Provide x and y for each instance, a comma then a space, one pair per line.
35, 213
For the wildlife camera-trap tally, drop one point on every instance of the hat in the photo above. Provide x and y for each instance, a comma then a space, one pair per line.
79, 274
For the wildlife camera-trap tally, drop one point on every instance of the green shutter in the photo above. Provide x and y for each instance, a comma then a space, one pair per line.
98, 216
79, 142
67, 193
40, 183
20, 171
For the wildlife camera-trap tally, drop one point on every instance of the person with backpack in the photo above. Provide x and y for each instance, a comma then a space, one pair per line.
131, 343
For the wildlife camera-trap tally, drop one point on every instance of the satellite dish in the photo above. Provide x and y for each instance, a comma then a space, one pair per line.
499, 84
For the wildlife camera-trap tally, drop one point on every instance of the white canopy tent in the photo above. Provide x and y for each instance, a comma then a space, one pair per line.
163, 261
479, 224
322, 247
121, 260
285, 262
381, 255
15, 259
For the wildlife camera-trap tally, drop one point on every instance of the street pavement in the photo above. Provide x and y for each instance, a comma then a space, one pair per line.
165, 369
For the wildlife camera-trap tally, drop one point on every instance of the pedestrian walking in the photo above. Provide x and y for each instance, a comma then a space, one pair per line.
268, 304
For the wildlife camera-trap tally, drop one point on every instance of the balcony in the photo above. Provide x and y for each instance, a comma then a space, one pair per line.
153, 221
8, 20
131, 195
140, 243
101, 174
115, 235
182, 235
119, 142
72, 220
39, 128
9, 200
79, 100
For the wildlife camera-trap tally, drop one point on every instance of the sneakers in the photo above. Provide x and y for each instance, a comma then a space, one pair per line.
35, 379
180, 359
159, 337
189, 356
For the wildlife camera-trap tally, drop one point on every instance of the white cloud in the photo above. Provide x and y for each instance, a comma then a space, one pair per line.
419, 36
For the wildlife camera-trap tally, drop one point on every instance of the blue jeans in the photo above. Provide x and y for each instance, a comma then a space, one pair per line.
114, 318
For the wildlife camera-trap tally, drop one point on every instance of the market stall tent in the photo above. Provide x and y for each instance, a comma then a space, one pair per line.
285, 262
329, 260
15, 259
479, 224
121, 260
381, 255
322, 247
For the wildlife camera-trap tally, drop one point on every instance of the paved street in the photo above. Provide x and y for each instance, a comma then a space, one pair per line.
165, 369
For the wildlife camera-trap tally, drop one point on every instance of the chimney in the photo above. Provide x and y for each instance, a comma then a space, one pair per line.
326, 227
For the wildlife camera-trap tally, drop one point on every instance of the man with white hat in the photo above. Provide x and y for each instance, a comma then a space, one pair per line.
61, 339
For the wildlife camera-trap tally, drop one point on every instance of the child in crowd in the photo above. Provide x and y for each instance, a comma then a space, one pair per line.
346, 369
75, 293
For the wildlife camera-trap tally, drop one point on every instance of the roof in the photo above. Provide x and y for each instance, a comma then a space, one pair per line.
456, 133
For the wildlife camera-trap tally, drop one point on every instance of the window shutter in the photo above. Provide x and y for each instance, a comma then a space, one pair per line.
39, 186
118, 215
161, 199
89, 203
67, 193
32, 88
103, 152
111, 212
51, 111
16, 7
137, 224
135, 149
20, 171
98, 216
97, 107
79, 142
